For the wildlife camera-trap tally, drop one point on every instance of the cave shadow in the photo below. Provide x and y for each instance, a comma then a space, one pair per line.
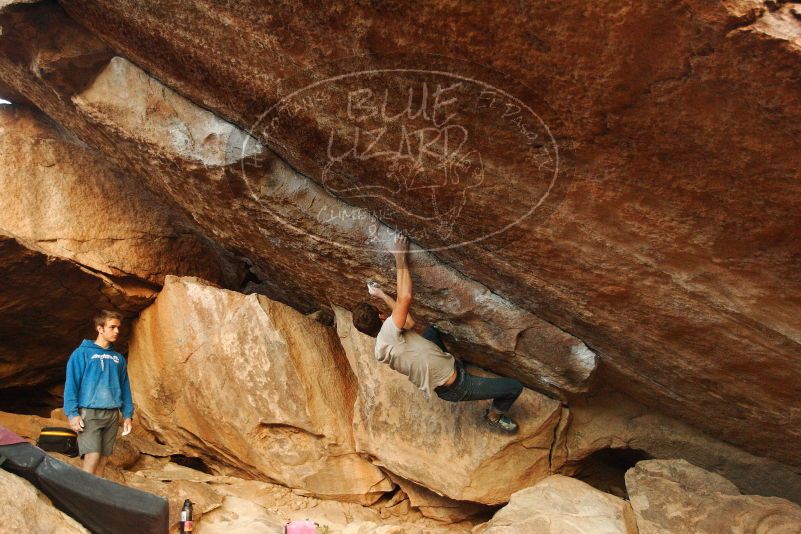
605, 469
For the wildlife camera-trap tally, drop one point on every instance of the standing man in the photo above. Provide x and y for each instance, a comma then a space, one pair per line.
425, 359
97, 389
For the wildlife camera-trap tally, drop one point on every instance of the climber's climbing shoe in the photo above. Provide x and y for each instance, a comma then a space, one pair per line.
503, 422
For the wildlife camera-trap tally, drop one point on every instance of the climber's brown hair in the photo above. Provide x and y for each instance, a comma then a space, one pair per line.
366, 320
104, 315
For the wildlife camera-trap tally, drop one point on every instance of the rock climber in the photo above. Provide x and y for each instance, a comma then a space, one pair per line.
97, 388
424, 358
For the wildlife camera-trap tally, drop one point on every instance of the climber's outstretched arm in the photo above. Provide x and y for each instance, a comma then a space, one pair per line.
390, 302
404, 294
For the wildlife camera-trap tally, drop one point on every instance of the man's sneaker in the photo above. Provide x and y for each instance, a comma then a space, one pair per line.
504, 423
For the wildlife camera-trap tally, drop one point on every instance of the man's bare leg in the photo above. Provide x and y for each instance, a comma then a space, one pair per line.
101, 466
90, 462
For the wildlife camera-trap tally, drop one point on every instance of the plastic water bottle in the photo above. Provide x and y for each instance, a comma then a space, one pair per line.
186, 524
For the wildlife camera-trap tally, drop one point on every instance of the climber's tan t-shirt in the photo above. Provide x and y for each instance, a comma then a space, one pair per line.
411, 354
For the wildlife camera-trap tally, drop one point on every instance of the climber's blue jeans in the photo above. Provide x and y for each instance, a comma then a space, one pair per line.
467, 387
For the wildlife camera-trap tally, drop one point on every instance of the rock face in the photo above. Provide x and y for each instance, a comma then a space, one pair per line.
221, 503
58, 303
63, 199
28, 426
250, 385
675, 496
436, 506
445, 446
23, 508
562, 505
611, 423
268, 200
654, 146
669, 246
233, 505
176, 483
122, 94
79, 235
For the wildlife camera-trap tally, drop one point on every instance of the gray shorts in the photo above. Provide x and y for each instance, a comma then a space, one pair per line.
99, 430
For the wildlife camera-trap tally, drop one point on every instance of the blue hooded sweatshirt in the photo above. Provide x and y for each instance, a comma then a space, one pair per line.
97, 378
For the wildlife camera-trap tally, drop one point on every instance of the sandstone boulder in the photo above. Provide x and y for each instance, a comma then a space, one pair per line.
369, 527
610, 427
23, 508
562, 505
436, 506
79, 235
27, 426
286, 505
229, 504
252, 386
669, 246
63, 199
188, 154
127, 100
176, 483
446, 447
674, 496
240, 516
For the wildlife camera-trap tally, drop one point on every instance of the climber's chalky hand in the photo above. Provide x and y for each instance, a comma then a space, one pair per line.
374, 289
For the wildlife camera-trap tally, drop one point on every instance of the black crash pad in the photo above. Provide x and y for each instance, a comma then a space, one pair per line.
100, 505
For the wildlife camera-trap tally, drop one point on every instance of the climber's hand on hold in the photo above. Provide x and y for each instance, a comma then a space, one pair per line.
374, 289
400, 247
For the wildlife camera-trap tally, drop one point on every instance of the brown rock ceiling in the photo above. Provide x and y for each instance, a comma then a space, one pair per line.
670, 245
